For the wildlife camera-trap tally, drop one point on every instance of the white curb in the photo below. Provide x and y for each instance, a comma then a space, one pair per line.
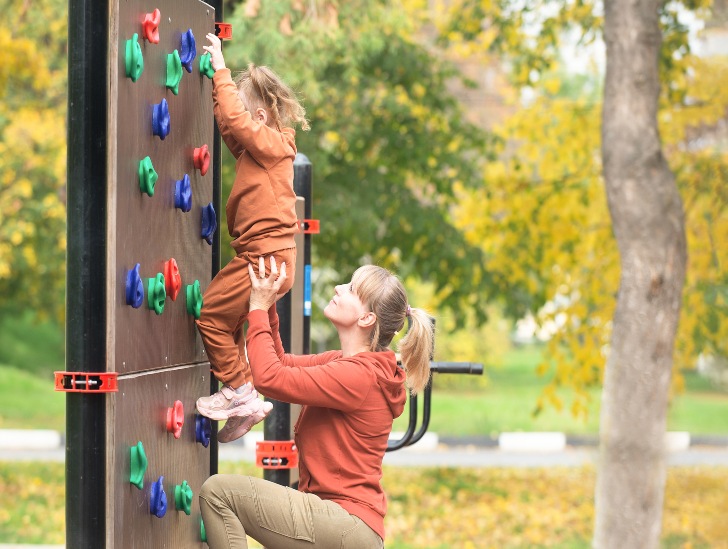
532, 442
30, 439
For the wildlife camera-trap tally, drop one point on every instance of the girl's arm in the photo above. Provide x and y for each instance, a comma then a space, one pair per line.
266, 145
235, 147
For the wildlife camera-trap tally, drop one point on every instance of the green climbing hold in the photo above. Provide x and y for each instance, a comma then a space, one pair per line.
147, 176
206, 66
156, 293
134, 60
138, 465
194, 299
174, 72
183, 497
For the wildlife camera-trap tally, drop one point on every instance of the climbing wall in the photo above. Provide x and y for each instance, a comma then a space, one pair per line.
160, 226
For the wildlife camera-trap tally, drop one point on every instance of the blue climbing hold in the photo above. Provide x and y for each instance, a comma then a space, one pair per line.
203, 430
183, 194
188, 50
160, 119
158, 499
209, 223
134, 288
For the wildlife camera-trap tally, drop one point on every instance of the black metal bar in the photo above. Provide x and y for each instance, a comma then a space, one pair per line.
425, 415
216, 161
393, 445
86, 269
277, 425
474, 368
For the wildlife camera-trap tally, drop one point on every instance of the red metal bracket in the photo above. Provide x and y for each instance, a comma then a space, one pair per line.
87, 382
309, 226
224, 31
276, 454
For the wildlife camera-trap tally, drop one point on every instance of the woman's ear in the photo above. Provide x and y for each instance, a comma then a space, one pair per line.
367, 320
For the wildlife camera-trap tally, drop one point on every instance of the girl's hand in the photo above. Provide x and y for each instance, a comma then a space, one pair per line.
215, 50
264, 290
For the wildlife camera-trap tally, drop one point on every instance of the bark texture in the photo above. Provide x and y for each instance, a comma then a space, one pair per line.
648, 222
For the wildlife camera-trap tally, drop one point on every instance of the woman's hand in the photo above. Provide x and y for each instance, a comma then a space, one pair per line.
264, 290
215, 50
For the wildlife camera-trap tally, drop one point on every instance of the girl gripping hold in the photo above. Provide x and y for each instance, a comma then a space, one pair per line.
253, 114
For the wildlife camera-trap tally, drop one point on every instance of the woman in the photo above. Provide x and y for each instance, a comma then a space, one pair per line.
350, 398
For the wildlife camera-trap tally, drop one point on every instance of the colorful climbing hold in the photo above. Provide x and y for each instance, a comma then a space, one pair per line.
138, 465
134, 287
158, 499
147, 176
206, 66
183, 497
174, 72
134, 60
188, 50
160, 119
156, 293
150, 25
194, 299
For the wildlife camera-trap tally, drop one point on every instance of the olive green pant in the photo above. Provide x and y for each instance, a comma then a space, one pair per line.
236, 506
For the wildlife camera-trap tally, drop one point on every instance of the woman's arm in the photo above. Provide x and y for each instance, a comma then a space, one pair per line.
320, 380
325, 380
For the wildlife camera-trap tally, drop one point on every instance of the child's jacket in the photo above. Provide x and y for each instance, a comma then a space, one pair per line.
261, 208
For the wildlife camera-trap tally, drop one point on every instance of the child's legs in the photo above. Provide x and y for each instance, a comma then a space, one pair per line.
224, 309
234, 506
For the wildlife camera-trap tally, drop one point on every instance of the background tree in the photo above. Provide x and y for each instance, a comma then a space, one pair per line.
387, 143
33, 157
647, 217
647, 221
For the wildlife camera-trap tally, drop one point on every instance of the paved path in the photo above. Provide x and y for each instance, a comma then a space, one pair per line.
445, 456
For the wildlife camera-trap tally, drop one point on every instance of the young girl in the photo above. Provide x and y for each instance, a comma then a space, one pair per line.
350, 398
253, 114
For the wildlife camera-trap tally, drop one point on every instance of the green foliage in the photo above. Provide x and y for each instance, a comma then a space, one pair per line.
33, 157
388, 141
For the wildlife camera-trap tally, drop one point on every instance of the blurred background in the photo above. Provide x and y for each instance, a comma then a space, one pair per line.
456, 143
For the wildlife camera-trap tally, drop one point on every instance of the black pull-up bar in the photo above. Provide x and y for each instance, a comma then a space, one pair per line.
410, 437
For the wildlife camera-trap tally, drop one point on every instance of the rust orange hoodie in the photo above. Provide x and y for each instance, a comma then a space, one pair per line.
349, 405
261, 208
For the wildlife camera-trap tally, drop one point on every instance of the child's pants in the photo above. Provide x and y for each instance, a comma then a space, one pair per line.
279, 517
225, 306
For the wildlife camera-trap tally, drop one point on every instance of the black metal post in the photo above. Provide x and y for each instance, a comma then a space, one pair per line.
216, 161
277, 425
86, 270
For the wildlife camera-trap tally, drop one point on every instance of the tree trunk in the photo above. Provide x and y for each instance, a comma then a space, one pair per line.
647, 217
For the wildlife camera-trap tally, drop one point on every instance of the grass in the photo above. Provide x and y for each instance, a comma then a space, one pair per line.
461, 405
506, 403
436, 508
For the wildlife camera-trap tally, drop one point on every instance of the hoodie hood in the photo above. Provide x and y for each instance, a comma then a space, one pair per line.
391, 380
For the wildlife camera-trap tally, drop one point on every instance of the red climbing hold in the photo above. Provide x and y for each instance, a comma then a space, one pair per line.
151, 26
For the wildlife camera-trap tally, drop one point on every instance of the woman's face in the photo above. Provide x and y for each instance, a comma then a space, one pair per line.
345, 308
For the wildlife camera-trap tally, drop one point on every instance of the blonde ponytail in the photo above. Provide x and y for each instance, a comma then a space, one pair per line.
385, 295
416, 350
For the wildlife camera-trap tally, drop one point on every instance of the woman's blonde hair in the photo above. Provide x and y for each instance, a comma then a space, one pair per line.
385, 295
264, 88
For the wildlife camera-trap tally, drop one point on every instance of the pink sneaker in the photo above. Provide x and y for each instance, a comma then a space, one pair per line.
223, 404
243, 419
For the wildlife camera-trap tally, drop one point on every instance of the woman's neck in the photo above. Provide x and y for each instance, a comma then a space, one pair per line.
353, 343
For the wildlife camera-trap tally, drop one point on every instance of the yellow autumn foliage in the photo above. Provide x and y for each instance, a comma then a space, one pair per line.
434, 508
